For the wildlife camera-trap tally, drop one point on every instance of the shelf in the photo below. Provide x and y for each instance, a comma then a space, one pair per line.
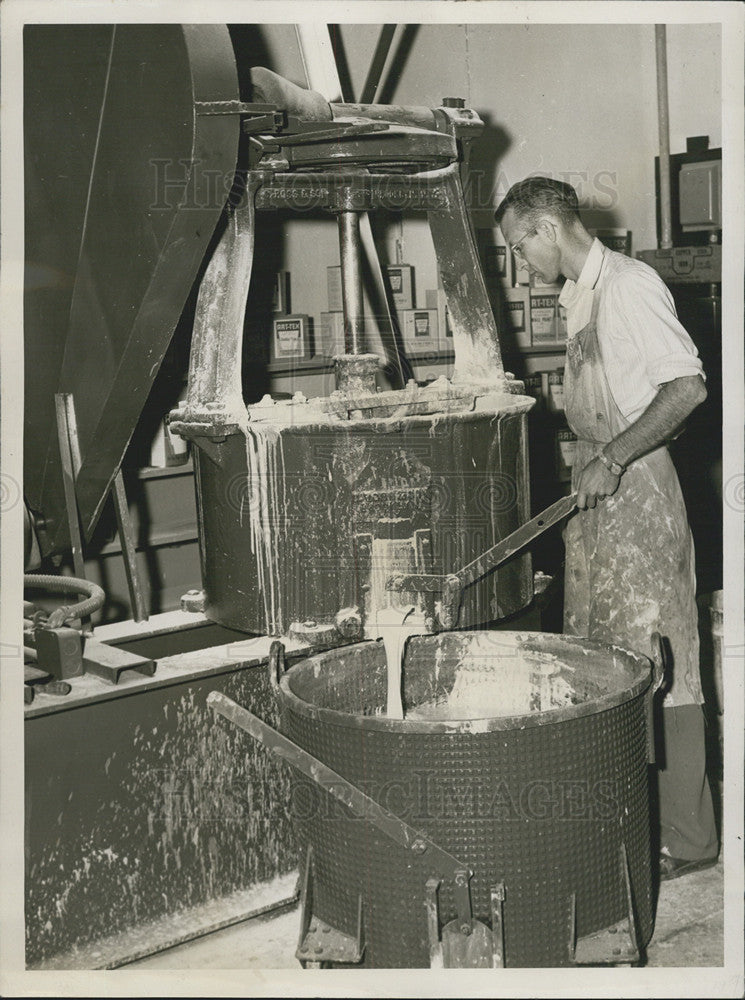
318, 363
321, 364
162, 472
543, 349
158, 540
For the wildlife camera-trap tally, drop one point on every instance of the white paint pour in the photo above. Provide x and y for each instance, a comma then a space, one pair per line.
394, 626
265, 484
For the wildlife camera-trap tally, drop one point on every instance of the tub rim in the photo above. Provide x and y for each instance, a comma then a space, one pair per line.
642, 681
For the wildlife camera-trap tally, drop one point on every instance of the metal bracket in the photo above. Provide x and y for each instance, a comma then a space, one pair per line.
424, 564
464, 944
497, 894
436, 960
613, 945
109, 662
320, 943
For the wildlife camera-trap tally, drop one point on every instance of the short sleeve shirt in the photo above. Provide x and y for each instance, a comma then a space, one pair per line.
642, 342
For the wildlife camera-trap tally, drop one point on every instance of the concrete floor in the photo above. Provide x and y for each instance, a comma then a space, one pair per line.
688, 932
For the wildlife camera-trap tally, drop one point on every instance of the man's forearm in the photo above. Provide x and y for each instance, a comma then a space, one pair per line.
671, 406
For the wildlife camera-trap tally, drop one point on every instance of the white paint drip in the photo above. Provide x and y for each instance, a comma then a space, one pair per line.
265, 483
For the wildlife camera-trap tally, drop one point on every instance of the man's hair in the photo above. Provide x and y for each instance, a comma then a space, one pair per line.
535, 196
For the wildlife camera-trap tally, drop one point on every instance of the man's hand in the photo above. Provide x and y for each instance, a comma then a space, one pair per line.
595, 483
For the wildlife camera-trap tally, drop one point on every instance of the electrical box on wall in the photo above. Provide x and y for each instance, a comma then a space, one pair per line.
695, 193
701, 195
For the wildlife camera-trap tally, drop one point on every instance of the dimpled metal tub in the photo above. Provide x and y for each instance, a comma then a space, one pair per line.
524, 755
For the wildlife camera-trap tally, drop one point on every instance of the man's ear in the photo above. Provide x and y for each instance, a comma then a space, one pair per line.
550, 229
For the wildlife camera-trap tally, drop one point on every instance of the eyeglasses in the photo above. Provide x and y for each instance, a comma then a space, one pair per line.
516, 246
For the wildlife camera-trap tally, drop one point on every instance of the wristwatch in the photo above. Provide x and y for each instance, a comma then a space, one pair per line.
613, 467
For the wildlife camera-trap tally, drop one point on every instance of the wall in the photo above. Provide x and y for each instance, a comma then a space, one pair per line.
575, 101
694, 69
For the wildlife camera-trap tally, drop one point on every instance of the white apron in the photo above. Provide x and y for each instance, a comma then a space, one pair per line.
629, 561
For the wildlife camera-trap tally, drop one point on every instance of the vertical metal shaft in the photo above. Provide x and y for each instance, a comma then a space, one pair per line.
666, 239
351, 282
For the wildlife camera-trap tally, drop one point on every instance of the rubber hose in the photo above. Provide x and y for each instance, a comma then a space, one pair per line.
68, 585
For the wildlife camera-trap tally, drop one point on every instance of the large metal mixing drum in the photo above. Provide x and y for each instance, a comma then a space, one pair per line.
305, 511
306, 506
523, 755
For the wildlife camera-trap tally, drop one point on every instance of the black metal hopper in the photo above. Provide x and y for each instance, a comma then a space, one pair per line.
122, 147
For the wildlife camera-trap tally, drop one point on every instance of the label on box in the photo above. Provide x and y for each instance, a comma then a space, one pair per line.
556, 392
543, 318
561, 326
517, 303
291, 337
419, 329
401, 280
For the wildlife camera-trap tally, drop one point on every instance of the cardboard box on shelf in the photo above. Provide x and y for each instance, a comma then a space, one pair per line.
543, 317
435, 299
401, 281
561, 326
533, 387
291, 338
555, 399
331, 339
566, 442
615, 239
496, 259
517, 305
419, 329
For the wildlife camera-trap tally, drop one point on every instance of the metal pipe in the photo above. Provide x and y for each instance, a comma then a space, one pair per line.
372, 83
351, 283
663, 117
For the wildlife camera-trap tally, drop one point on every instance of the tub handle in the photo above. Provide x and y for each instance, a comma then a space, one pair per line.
277, 664
658, 677
353, 797
658, 661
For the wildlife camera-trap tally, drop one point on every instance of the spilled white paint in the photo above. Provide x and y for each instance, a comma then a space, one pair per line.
265, 490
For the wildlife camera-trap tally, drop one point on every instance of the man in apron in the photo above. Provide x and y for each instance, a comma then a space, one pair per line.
632, 377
